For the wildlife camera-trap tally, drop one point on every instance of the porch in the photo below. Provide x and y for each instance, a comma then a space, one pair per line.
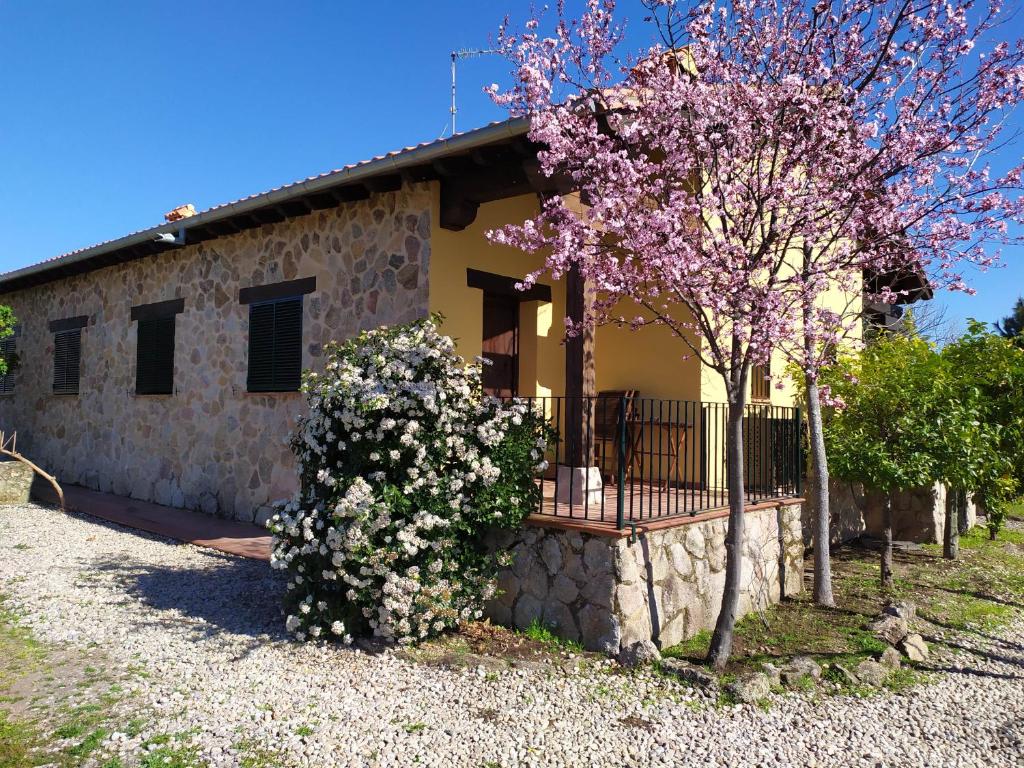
622, 461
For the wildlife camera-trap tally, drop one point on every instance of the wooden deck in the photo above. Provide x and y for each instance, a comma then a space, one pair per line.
647, 505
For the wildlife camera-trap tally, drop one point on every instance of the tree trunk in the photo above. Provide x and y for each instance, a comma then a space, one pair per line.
962, 524
951, 539
819, 488
721, 639
887, 540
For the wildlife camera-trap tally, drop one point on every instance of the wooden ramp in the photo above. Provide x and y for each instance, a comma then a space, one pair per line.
230, 536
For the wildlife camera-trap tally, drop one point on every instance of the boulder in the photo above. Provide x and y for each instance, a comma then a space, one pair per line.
749, 689
798, 668
890, 658
891, 629
773, 672
914, 647
639, 654
696, 676
902, 609
870, 672
843, 675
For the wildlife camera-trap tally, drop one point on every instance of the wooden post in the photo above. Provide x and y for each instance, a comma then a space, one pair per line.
580, 379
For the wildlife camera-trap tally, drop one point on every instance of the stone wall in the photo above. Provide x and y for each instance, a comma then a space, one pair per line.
846, 519
211, 445
15, 482
666, 586
918, 515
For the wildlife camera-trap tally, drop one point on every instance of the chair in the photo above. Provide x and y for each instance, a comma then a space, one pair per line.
607, 421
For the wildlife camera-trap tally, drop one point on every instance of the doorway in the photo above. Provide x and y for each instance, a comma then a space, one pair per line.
501, 345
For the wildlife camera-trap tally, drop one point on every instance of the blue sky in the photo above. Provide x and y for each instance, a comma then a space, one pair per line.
113, 113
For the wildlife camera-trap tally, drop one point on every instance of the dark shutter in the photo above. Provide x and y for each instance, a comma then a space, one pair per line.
275, 346
67, 352
8, 350
154, 367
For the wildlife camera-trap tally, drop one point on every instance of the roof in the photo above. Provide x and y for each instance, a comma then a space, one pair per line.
351, 182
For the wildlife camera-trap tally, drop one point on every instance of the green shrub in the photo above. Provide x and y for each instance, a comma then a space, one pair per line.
405, 465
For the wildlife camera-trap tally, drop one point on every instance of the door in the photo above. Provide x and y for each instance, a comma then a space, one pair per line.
501, 344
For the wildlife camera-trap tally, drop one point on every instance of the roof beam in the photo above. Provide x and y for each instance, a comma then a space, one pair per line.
378, 184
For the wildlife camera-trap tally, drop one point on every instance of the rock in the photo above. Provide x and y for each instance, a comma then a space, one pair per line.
528, 609
773, 672
597, 556
843, 675
890, 658
872, 673
903, 609
914, 647
749, 689
891, 629
639, 654
797, 668
689, 673
600, 630
551, 554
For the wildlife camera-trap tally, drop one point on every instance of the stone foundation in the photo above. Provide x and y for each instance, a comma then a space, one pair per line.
15, 482
665, 586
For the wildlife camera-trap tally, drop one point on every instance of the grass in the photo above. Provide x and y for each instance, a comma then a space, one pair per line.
73, 708
16, 742
539, 632
979, 592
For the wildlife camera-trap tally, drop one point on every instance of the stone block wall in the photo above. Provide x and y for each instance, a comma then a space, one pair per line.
15, 482
666, 586
845, 514
918, 515
211, 445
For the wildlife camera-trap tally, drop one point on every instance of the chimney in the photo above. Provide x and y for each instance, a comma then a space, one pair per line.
181, 212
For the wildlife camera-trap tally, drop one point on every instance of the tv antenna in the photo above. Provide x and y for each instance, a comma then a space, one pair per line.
465, 53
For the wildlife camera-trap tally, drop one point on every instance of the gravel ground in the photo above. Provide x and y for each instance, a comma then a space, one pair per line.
207, 631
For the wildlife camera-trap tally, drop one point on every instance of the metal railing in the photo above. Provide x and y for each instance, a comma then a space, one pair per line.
625, 460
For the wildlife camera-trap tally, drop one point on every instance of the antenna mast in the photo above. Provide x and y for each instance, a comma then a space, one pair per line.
465, 53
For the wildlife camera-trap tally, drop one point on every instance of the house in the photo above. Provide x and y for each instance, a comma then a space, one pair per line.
165, 365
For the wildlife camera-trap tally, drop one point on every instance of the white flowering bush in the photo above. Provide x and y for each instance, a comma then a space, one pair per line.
405, 465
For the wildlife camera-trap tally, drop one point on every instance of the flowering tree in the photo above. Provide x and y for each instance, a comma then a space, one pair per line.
405, 465
759, 155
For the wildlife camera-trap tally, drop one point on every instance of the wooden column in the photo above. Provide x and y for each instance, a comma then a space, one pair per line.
580, 379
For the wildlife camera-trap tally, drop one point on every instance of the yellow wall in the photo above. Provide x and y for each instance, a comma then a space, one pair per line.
649, 360
542, 356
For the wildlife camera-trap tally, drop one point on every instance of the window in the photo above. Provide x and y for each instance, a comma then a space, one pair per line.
761, 382
154, 362
67, 354
154, 347
9, 352
275, 345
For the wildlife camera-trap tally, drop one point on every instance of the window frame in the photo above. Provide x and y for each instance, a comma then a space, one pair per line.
7, 379
65, 388
154, 373
284, 382
158, 312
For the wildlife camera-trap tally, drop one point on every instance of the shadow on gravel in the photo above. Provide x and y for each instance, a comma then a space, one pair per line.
229, 595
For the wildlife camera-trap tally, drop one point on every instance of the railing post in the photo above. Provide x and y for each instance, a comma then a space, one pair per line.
620, 497
798, 451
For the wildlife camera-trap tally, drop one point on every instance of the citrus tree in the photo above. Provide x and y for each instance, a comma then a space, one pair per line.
884, 422
987, 369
